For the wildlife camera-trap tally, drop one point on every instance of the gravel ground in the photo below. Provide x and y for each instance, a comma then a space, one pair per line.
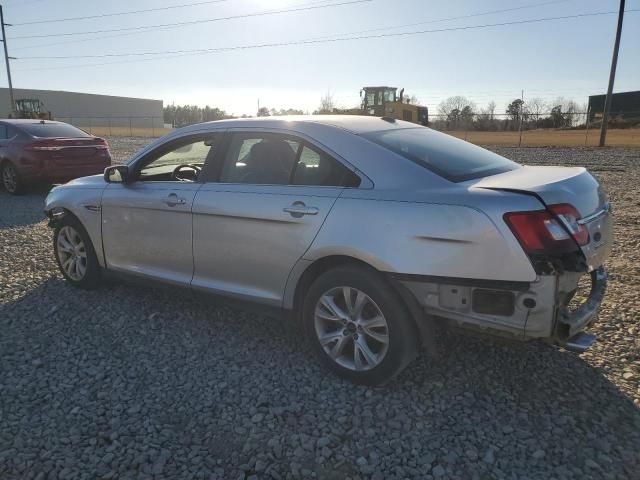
136, 383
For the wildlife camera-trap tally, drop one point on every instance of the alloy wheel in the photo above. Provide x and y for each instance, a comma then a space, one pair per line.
9, 178
351, 328
72, 253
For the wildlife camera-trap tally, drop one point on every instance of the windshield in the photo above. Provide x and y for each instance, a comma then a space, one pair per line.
449, 157
53, 130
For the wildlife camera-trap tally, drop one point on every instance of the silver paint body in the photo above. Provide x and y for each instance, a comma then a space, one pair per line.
236, 239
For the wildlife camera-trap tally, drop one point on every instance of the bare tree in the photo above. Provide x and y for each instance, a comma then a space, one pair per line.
490, 110
569, 109
326, 104
485, 119
452, 104
457, 110
537, 107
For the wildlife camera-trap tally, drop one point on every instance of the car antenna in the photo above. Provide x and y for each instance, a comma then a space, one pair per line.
389, 119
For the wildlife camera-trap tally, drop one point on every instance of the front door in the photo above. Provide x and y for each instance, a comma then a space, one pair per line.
147, 223
254, 225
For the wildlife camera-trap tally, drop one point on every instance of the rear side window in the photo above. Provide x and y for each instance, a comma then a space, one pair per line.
316, 168
279, 160
260, 159
447, 156
53, 130
3, 132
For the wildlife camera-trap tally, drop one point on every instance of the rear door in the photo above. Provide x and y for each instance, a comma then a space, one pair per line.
251, 227
147, 224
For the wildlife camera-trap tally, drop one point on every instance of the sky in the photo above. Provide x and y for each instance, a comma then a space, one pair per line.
567, 57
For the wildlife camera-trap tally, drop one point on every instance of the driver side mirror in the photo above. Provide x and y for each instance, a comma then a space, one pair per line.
116, 174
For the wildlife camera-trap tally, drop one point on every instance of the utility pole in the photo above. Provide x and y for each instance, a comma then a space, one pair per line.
612, 77
521, 117
6, 59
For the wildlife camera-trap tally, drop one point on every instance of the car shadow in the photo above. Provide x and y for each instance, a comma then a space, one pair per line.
22, 210
138, 353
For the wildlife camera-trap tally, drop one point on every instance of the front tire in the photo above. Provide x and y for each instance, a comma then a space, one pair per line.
11, 180
75, 254
358, 326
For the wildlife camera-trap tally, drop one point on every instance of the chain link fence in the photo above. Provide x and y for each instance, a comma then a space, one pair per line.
126, 126
541, 129
571, 129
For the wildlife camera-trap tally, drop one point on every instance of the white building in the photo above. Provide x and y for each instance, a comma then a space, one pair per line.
88, 109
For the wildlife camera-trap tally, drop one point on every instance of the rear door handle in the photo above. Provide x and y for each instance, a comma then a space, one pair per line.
299, 209
172, 200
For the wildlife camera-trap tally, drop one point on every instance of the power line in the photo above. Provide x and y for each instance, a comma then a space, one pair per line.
179, 53
460, 17
314, 6
50, 44
115, 14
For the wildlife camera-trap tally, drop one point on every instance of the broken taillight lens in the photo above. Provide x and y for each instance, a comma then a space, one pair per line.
555, 230
570, 217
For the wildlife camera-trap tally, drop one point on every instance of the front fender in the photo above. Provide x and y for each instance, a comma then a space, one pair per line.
85, 205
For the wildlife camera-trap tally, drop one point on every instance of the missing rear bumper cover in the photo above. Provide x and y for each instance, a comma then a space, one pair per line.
539, 312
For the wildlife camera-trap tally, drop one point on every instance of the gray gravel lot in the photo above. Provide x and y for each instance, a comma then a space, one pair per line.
131, 382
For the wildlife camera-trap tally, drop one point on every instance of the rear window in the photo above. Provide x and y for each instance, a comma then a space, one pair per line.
53, 130
449, 157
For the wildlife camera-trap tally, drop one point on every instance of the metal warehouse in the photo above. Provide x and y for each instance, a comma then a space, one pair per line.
88, 109
625, 105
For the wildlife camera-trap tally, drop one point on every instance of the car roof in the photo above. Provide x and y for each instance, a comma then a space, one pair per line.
25, 121
357, 124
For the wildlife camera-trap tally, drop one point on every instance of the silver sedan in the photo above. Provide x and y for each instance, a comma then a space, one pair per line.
373, 233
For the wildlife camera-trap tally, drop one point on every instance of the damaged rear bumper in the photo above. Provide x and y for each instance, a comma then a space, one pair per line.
523, 311
571, 323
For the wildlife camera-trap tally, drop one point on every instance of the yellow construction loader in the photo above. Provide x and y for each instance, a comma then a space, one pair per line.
30, 108
385, 102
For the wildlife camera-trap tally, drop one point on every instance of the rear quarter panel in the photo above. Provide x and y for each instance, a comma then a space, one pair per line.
428, 237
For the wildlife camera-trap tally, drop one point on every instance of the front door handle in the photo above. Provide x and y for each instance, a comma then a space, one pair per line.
299, 209
172, 200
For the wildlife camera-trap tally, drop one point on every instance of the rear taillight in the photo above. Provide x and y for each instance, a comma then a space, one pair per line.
570, 217
100, 144
555, 230
44, 145
57, 144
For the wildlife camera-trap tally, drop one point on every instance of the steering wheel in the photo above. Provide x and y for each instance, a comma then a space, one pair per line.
176, 171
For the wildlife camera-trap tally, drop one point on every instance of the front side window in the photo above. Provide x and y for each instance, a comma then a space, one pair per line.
3, 132
182, 161
447, 156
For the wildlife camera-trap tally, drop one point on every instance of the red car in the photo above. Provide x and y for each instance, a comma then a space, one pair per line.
45, 152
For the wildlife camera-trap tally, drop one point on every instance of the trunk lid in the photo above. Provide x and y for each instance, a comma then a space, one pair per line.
563, 185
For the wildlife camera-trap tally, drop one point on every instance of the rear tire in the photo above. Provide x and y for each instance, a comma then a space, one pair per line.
75, 254
358, 325
11, 180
